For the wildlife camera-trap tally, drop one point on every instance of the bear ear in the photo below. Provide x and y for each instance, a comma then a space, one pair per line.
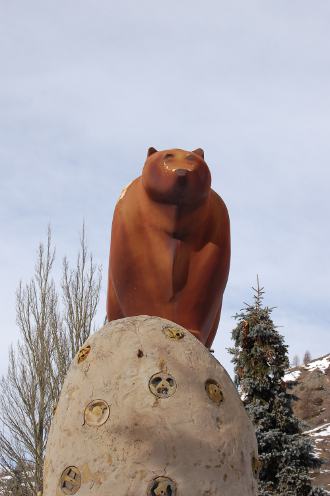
199, 152
151, 150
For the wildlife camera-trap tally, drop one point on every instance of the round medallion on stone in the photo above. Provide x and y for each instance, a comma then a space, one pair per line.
214, 392
162, 486
70, 480
173, 333
162, 385
97, 412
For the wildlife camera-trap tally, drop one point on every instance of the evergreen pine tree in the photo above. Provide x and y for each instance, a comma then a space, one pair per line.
260, 357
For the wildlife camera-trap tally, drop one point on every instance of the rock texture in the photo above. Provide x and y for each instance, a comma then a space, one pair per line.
147, 410
312, 387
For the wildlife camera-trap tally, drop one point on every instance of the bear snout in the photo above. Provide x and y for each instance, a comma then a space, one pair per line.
181, 172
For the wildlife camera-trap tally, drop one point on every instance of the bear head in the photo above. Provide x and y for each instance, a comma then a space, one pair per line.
176, 176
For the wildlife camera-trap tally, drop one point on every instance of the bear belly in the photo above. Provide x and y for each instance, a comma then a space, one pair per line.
165, 277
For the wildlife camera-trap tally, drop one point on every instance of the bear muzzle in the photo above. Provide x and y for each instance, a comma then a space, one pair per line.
181, 172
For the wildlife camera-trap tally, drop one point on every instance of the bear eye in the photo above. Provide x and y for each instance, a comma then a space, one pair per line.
168, 155
191, 158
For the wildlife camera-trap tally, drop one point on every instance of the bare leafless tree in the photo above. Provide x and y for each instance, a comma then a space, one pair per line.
80, 296
14, 485
28, 390
49, 337
307, 357
295, 361
81, 290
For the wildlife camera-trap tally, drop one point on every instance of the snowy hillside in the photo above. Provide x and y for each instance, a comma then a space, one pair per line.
311, 384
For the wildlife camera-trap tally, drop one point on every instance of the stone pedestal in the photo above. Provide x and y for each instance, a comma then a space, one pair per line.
146, 410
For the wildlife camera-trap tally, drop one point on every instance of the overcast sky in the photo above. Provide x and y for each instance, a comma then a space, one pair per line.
86, 87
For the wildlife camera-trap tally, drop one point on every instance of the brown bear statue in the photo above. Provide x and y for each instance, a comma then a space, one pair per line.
170, 245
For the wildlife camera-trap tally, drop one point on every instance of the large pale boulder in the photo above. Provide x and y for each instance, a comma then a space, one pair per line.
146, 410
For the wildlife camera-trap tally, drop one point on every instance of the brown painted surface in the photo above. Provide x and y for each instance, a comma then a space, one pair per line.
170, 245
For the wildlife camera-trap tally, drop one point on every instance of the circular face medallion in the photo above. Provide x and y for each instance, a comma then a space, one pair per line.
70, 480
162, 385
83, 353
162, 486
256, 466
173, 333
214, 392
96, 412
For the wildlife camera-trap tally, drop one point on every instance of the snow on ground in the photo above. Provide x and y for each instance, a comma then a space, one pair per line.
320, 431
322, 364
317, 452
317, 434
292, 376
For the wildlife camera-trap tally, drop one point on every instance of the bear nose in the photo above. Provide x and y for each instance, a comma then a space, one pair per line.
181, 172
